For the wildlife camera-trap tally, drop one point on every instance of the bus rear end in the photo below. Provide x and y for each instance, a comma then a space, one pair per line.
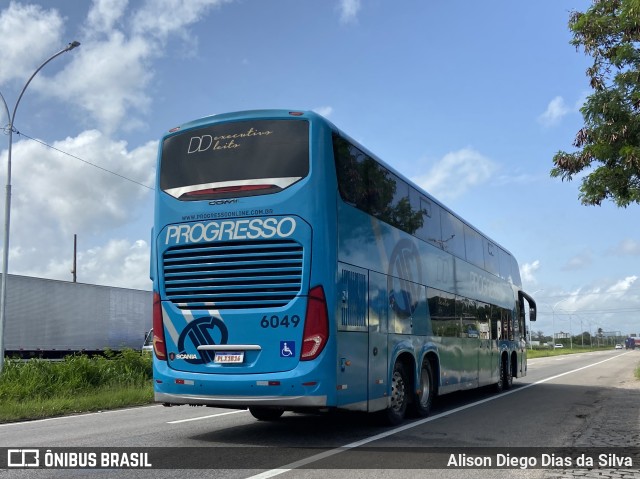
239, 319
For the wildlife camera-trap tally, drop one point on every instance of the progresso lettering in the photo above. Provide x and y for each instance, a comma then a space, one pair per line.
485, 287
257, 228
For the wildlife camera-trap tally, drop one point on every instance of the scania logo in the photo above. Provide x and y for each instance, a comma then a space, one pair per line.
404, 278
201, 331
183, 356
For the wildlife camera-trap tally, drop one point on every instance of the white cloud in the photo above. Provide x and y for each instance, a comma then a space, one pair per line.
556, 109
457, 172
118, 263
606, 304
110, 75
349, 10
622, 285
161, 18
527, 272
55, 196
626, 247
109, 79
104, 15
27, 33
72, 195
579, 261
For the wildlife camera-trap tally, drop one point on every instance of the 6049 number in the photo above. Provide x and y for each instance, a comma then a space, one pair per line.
276, 321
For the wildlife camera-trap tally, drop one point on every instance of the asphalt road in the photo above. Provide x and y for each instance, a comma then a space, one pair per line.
580, 402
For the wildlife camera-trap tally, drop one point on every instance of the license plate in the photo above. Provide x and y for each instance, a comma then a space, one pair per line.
229, 357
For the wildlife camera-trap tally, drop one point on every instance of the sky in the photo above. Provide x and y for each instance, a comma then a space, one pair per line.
471, 100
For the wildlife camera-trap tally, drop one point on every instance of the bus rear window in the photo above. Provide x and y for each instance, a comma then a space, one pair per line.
229, 160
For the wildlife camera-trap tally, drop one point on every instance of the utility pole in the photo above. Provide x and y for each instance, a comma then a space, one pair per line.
74, 271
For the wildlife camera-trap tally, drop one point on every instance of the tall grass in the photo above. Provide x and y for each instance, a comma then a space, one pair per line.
545, 352
39, 388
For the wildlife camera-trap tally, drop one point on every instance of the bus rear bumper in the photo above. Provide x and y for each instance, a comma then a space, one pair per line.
243, 402
301, 388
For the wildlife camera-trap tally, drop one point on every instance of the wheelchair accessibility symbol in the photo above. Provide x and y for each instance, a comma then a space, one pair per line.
287, 349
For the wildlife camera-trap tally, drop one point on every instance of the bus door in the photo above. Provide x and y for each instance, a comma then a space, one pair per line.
352, 337
486, 353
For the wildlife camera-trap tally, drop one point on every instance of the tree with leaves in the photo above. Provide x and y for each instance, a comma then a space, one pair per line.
609, 142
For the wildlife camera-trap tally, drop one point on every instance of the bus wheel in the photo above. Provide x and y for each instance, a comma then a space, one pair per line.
499, 386
265, 413
423, 400
507, 374
394, 415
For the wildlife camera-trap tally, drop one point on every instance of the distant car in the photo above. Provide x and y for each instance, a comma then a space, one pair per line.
558, 346
618, 346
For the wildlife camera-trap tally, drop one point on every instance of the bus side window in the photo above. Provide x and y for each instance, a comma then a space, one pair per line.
442, 309
504, 260
473, 246
350, 181
496, 322
467, 311
430, 231
506, 320
452, 234
491, 259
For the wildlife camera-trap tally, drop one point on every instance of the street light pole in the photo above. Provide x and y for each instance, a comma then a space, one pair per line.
7, 203
553, 310
531, 345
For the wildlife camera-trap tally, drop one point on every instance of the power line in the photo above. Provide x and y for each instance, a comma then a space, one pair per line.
565, 312
594, 293
85, 161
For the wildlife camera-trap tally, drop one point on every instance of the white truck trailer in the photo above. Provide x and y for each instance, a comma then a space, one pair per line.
50, 319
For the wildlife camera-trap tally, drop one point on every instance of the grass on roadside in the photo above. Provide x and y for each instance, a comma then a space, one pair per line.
543, 353
546, 352
37, 388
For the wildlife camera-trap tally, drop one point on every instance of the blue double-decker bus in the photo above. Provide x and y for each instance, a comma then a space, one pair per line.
295, 271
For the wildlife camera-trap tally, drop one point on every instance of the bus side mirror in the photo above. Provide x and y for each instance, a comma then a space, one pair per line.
532, 313
532, 304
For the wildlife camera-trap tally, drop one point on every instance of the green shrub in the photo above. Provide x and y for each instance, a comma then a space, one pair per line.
77, 374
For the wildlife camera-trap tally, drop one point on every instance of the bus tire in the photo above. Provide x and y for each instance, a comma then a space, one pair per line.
265, 413
423, 399
507, 374
399, 396
499, 386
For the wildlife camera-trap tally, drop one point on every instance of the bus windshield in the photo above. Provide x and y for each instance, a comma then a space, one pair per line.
245, 158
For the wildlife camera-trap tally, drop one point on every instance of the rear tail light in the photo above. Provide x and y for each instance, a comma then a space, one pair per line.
227, 190
159, 346
316, 325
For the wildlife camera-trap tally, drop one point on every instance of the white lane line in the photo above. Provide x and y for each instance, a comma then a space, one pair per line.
206, 417
75, 416
362, 442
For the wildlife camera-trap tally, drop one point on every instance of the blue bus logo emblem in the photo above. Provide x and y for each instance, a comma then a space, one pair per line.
202, 331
